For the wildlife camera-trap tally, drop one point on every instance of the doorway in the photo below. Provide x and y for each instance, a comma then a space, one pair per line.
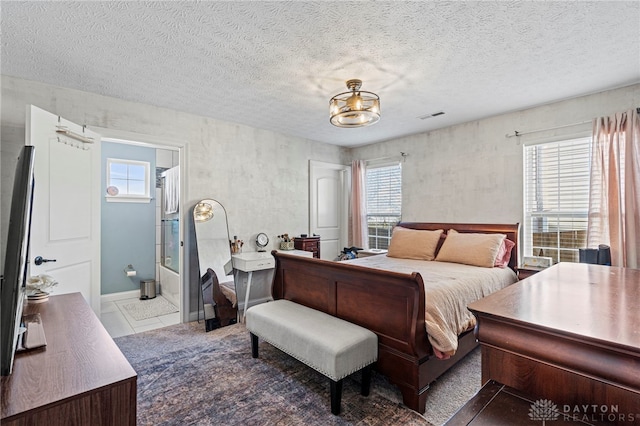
329, 186
67, 212
144, 234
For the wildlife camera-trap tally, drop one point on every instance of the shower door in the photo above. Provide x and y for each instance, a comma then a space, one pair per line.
170, 220
170, 246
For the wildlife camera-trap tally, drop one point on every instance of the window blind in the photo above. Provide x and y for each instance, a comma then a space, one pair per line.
556, 198
384, 203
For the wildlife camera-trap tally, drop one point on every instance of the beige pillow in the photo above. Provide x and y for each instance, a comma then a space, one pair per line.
413, 243
470, 249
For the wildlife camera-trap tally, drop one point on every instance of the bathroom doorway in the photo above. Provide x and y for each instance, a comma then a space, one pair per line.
141, 243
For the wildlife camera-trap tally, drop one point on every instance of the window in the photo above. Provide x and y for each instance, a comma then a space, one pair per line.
128, 181
556, 199
384, 203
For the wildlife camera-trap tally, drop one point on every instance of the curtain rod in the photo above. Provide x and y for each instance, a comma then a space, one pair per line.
404, 156
517, 133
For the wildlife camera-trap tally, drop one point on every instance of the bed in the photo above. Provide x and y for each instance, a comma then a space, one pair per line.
390, 303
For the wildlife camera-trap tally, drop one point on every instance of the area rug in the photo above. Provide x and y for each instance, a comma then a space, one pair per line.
149, 308
188, 376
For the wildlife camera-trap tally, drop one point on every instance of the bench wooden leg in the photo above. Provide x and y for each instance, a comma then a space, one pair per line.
254, 345
336, 396
366, 381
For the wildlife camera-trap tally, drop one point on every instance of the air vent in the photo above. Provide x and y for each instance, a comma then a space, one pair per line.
435, 114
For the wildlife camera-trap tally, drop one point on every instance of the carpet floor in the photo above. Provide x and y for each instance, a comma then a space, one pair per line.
189, 377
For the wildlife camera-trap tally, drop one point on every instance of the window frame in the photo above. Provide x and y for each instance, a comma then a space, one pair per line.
129, 198
387, 226
561, 212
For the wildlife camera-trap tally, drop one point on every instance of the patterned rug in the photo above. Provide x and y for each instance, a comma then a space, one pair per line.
143, 309
187, 376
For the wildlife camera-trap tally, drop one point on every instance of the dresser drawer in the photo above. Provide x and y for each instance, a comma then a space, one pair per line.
311, 244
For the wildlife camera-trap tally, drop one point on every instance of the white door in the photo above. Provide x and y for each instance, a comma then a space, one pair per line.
66, 206
329, 206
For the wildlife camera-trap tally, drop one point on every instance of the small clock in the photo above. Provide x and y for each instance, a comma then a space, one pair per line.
261, 241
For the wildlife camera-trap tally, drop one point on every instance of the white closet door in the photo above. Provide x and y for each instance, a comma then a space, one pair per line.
66, 211
329, 206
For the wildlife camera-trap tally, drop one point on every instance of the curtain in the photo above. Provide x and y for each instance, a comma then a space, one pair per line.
358, 205
614, 202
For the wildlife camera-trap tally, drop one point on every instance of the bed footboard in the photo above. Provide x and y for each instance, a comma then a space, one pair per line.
390, 304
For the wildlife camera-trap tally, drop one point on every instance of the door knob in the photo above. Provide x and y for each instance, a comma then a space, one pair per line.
39, 260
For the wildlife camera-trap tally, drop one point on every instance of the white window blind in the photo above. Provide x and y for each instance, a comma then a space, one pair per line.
556, 198
384, 203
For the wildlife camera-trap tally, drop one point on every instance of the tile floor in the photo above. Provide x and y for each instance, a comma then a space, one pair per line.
119, 323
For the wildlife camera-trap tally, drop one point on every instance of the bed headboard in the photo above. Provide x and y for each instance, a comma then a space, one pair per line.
510, 230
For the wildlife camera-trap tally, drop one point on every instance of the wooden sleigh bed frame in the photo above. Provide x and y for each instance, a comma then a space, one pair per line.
390, 304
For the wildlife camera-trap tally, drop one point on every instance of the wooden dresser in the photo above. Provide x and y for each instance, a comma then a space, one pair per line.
570, 334
79, 378
311, 244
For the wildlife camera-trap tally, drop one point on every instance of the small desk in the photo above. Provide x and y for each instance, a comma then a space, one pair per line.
80, 377
570, 334
249, 262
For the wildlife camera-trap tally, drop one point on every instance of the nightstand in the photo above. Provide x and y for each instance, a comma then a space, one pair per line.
527, 271
311, 244
371, 252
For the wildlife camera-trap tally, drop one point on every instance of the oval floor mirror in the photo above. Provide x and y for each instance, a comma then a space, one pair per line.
217, 287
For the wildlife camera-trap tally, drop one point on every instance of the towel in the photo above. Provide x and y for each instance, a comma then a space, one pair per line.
172, 190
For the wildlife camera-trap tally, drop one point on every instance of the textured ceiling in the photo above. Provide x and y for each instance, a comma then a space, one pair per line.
274, 65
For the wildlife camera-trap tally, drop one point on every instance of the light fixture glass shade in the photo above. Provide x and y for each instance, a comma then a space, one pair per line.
203, 212
356, 108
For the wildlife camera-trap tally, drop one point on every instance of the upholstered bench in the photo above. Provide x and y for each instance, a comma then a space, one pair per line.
329, 345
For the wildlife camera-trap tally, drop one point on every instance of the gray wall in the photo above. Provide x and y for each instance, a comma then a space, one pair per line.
472, 172
261, 177
128, 229
465, 173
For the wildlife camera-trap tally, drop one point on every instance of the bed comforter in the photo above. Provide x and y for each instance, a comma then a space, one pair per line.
449, 288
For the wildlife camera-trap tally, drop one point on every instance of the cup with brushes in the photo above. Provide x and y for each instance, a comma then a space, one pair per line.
286, 242
236, 245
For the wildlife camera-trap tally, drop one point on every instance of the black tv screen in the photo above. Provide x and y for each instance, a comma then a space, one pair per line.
16, 263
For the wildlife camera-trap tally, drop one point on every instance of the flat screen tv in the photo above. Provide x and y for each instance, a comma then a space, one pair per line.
16, 263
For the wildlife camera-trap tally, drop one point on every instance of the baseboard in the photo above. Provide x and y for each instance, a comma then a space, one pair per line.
114, 297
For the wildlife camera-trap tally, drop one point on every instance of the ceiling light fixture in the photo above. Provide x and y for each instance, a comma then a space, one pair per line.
356, 108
